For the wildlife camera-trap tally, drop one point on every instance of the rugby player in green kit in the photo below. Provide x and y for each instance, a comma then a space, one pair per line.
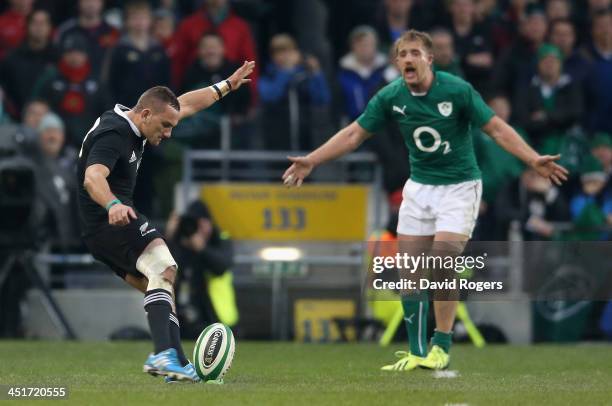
436, 112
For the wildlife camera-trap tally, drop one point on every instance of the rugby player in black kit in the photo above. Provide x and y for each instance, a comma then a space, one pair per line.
115, 232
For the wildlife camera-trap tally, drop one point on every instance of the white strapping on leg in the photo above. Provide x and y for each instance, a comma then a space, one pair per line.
152, 262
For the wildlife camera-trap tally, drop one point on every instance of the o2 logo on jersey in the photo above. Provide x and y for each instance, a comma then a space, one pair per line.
437, 140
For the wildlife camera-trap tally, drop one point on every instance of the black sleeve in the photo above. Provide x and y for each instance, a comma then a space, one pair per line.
106, 150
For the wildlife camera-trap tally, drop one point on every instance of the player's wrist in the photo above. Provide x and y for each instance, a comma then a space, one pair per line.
531, 161
310, 159
221, 89
112, 203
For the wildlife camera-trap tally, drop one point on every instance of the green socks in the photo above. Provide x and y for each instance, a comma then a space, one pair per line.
416, 309
442, 340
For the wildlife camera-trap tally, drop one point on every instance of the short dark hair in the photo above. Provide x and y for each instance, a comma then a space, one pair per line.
414, 35
155, 97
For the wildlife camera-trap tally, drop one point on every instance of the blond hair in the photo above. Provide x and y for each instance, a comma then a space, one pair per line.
414, 35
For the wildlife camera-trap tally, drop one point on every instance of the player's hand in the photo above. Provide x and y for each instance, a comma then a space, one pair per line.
239, 77
546, 167
120, 215
295, 174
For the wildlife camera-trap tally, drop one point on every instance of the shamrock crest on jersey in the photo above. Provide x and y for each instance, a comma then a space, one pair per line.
445, 108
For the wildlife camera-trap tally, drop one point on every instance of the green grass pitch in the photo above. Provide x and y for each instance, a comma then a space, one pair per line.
317, 374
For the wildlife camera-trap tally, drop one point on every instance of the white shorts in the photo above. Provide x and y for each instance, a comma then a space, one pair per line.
428, 209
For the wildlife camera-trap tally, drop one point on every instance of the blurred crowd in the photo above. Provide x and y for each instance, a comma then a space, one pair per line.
544, 66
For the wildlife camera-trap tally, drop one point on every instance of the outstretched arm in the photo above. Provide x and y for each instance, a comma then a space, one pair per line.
196, 100
343, 142
512, 142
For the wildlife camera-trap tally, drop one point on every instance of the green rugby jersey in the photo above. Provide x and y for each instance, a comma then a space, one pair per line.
436, 126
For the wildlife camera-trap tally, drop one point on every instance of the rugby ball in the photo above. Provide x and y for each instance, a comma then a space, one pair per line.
214, 352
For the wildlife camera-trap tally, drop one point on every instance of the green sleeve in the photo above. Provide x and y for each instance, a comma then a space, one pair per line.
374, 118
478, 112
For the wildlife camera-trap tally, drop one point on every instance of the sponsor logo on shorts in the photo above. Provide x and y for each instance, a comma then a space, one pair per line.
143, 229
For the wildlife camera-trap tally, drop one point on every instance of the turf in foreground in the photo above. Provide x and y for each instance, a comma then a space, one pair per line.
296, 374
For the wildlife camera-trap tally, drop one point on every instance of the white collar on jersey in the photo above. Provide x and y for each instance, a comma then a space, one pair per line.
121, 109
421, 94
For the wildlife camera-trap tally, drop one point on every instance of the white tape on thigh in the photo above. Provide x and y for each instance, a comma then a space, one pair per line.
152, 262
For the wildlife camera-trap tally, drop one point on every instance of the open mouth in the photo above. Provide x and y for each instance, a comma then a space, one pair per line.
410, 72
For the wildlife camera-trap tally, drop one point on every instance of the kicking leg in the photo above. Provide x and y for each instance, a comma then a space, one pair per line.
141, 284
159, 267
157, 264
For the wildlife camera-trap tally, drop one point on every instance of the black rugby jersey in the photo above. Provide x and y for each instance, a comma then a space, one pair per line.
115, 142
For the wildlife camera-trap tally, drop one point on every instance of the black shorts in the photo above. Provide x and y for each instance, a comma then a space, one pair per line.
120, 246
